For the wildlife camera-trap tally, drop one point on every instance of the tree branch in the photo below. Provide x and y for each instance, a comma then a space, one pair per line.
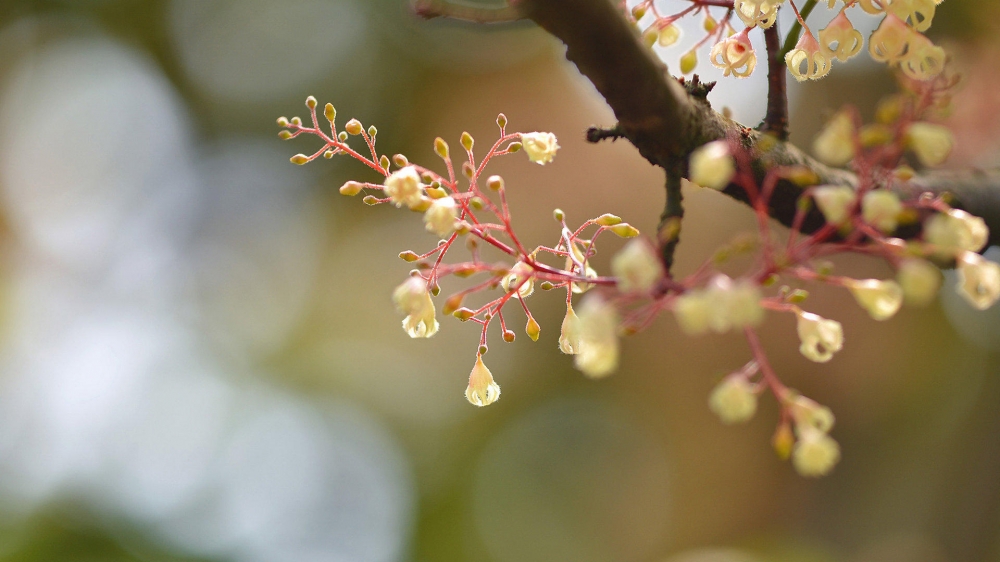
666, 123
776, 119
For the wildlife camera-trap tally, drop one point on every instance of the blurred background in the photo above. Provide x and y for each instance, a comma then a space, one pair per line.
200, 359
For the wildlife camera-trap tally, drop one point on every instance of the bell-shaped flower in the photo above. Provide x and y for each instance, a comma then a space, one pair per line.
835, 202
482, 389
403, 187
840, 31
637, 267
820, 338
734, 55
881, 209
521, 276
807, 413
919, 12
569, 337
835, 143
920, 281
955, 231
931, 143
890, 43
440, 218
978, 280
599, 347
668, 35
924, 60
413, 299
760, 13
694, 311
540, 147
815, 453
734, 399
807, 52
881, 299
712, 165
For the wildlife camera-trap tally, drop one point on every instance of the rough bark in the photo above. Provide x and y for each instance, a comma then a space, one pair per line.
666, 122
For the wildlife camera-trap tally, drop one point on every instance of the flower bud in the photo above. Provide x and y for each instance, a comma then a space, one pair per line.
353, 127
441, 148
569, 336
502, 121
532, 329
815, 453
978, 280
441, 216
624, 230
881, 209
931, 143
495, 183
835, 143
733, 400
608, 219
299, 159
467, 141
881, 299
598, 353
668, 35
712, 165
820, 338
920, 281
311, 102
689, 61
329, 112
835, 202
482, 389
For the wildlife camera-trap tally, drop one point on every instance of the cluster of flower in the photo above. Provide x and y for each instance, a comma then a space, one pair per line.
898, 41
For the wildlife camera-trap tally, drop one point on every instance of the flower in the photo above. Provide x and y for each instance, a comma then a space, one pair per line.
482, 389
841, 31
588, 272
881, 299
890, 42
807, 413
760, 13
693, 311
569, 337
734, 55
835, 202
440, 218
540, 147
413, 299
520, 272
668, 35
835, 143
919, 12
734, 305
956, 231
733, 400
920, 281
808, 51
637, 267
403, 187
978, 280
598, 353
931, 143
881, 209
712, 165
820, 338
815, 453
924, 60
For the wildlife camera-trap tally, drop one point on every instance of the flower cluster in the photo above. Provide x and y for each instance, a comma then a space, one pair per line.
898, 41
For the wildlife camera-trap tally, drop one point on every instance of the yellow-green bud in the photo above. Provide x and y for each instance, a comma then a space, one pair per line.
328, 154
467, 141
559, 215
296, 121
372, 131
464, 313
532, 329
351, 188
342, 136
441, 147
625, 230
638, 11
477, 203
311, 102
370, 200
285, 134
495, 183
436, 193
689, 62
513, 147
409, 256
608, 219
400, 161
330, 112
283, 122
502, 121
384, 162
299, 159
353, 127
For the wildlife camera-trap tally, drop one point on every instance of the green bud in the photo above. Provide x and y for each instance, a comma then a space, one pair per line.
283, 122
285, 135
408, 256
464, 313
328, 154
384, 162
559, 215
299, 159
400, 161
477, 203
353, 127
342, 136
495, 183
625, 230
797, 296
533, 329
546, 285
467, 141
502, 121
513, 147
608, 219
297, 122
689, 62
330, 112
372, 131
370, 200
351, 188
441, 147
311, 102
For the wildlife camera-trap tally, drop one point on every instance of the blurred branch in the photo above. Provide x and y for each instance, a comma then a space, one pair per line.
429, 9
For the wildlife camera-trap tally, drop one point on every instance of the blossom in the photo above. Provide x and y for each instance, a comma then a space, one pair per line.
440, 218
734, 399
841, 31
820, 338
881, 209
920, 281
924, 60
815, 453
956, 231
807, 413
760, 13
835, 143
712, 165
734, 55
808, 51
668, 35
734, 305
978, 280
520, 272
482, 389
569, 337
637, 267
919, 12
835, 202
403, 187
587, 272
931, 143
540, 147
413, 299
693, 311
598, 353
890, 42
881, 299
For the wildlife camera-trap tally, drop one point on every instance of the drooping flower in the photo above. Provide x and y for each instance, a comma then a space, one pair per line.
598, 353
881, 299
540, 147
413, 299
924, 60
522, 277
736, 305
841, 31
760, 13
440, 218
482, 389
956, 231
806, 412
637, 267
835, 202
569, 336
807, 51
735, 55
734, 399
712, 165
881, 209
919, 12
820, 338
931, 143
835, 143
403, 187
668, 35
890, 42
978, 280
815, 453
920, 281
